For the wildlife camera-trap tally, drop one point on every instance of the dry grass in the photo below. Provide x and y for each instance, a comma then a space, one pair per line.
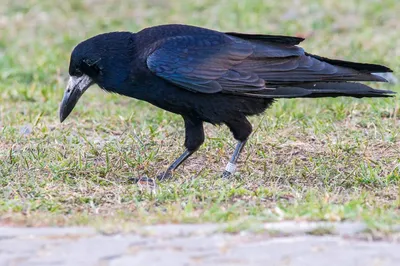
325, 159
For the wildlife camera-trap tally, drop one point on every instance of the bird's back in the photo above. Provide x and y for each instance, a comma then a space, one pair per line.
216, 76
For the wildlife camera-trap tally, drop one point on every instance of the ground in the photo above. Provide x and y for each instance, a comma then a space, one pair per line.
288, 243
331, 159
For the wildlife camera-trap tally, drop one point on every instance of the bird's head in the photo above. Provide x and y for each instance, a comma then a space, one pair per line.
103, 59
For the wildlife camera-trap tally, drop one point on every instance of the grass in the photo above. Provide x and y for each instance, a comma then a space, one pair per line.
322, 159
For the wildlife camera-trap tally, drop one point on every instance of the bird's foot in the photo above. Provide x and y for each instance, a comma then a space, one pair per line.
229, 170
164, 176
226, 175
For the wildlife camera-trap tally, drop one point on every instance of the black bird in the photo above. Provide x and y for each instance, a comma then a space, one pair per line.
209, 76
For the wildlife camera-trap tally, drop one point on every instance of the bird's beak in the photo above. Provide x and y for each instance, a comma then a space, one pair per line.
75, 88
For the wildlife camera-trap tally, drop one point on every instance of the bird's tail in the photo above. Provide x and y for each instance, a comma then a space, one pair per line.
338, 85
322, 89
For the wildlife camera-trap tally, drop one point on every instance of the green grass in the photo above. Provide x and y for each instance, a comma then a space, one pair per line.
322, 159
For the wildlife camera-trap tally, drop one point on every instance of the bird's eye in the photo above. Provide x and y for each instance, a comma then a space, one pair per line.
91, 68
78, 72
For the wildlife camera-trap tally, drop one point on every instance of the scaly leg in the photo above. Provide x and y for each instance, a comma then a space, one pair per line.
167, 174
194, 137
241, 129
231, 166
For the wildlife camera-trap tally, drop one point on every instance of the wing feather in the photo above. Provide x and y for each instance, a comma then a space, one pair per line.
212, 62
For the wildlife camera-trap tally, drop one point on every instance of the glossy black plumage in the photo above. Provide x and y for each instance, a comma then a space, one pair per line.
220, 78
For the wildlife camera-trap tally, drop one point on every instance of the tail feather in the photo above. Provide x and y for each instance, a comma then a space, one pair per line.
361, 67
322, 89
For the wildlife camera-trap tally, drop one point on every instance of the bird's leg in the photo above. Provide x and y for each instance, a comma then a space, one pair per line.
231, 166
167, 174
241, 129
194, 137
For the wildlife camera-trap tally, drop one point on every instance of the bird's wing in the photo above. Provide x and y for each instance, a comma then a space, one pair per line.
278, 61
216, 62
204, 63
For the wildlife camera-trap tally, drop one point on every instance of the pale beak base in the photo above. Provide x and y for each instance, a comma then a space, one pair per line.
75, 88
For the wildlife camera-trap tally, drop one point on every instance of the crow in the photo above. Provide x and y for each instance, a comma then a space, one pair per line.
210, 76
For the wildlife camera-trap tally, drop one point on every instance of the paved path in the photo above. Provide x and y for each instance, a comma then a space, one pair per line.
288, 244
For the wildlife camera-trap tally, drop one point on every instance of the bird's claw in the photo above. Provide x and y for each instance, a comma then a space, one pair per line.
164, 176
226, 175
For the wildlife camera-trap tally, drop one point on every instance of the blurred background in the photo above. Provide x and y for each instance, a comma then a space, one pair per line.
36, 37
